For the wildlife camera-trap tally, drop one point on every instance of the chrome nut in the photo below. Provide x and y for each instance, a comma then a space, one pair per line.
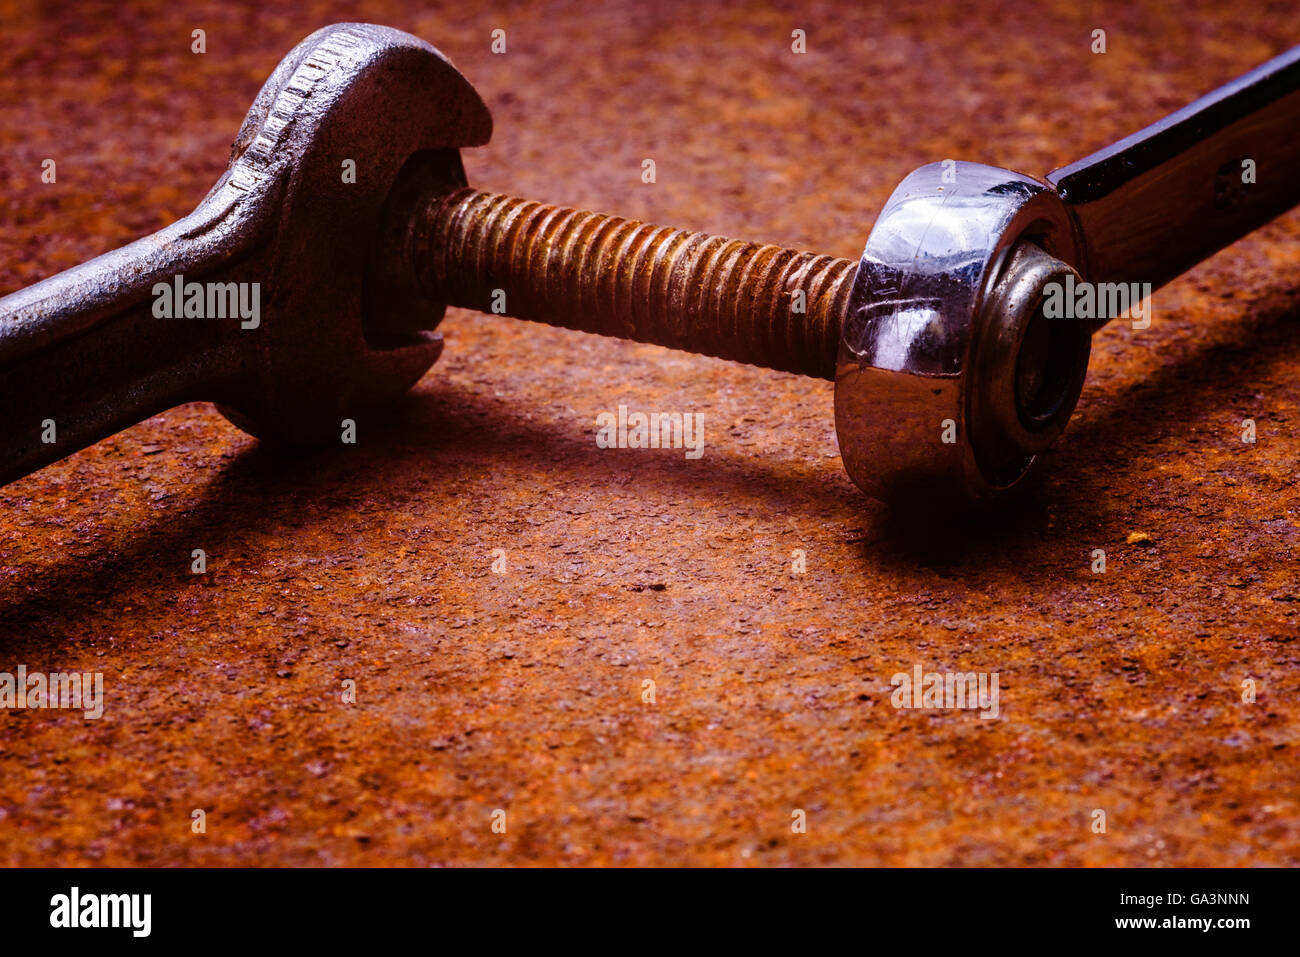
949, 381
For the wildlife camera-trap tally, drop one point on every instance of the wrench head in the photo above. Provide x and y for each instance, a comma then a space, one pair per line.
949, 380
352, 124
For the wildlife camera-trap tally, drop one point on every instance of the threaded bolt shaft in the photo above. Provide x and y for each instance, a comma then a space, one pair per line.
617, 277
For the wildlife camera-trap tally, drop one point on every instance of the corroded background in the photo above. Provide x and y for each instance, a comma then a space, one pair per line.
522, 691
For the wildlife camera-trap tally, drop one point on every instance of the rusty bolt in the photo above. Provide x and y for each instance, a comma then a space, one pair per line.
758, 304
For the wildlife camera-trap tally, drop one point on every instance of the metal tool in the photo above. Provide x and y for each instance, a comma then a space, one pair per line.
949, 377
85, 351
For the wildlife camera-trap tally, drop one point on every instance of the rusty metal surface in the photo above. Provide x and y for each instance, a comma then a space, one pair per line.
522, 691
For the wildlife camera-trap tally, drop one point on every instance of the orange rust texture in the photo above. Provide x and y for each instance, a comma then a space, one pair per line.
1120, 691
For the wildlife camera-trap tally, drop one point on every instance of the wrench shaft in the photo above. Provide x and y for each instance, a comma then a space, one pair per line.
1156, 203
82, 356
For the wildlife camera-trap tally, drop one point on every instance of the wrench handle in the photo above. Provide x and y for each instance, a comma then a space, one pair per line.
1156, 203
82, 355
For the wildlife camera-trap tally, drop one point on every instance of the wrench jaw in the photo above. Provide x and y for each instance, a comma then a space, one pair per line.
334, 341
948, 384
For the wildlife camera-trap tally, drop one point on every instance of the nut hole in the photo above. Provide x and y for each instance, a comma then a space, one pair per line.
1045, 369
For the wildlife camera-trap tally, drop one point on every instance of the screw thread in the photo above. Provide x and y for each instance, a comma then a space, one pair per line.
617, 277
